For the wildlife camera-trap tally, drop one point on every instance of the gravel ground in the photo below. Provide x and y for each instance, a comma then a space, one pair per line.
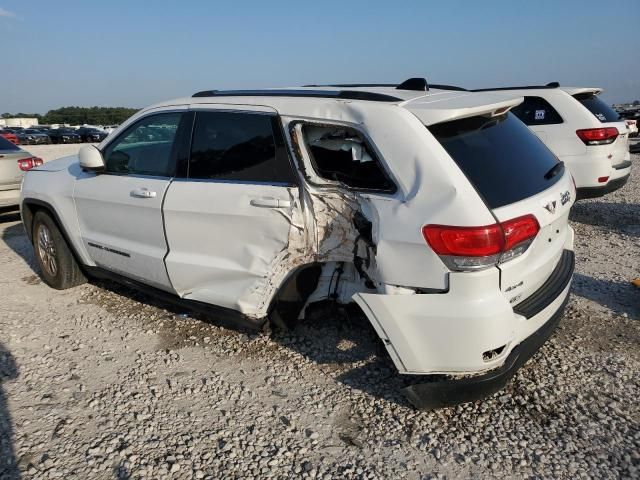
100, 382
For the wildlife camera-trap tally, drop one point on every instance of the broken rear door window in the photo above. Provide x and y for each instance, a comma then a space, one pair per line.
341, 154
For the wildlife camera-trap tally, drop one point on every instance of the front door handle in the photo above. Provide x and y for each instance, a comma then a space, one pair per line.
143, 193
269, 202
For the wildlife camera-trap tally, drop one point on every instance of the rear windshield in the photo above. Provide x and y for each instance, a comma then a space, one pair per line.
6, 145
500, 156
600, 110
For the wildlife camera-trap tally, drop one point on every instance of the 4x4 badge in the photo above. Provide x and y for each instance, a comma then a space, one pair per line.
551, 207
565, 197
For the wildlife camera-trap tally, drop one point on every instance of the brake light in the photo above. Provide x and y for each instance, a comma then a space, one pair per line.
598, 136
27, 164
475, 248
602, 179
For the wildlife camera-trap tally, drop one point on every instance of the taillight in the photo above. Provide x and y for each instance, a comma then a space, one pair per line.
598, 136
26, 164
603, 179
475, 248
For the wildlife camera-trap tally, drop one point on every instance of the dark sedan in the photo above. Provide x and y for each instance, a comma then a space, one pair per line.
31, 136
64, 135
91, 134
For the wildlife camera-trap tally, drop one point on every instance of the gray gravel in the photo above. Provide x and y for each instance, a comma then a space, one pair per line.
101, 382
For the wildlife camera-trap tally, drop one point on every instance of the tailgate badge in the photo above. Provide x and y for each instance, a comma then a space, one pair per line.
565, 197
551, 206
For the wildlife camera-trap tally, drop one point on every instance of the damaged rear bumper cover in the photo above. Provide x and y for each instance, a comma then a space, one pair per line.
447, 393
443, 355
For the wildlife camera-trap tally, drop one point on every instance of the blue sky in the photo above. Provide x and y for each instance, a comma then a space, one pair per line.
129, 53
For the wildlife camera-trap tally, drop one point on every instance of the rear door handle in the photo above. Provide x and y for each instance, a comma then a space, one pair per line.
269, 203
143, 193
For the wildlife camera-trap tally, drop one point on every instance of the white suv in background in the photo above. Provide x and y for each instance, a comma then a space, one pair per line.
581, 129
437, 212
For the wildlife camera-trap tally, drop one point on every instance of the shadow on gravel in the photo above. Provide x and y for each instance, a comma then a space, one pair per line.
16, 239
8, 465
620, 297
345, 345
620, 217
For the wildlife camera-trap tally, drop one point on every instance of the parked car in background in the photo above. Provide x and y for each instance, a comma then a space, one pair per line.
582, 130
64, 135
30, 136
632, 118
9, 135
440, 214
110, 128
13, 163
91, 134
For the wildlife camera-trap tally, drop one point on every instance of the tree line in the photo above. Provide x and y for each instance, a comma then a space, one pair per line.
79, 115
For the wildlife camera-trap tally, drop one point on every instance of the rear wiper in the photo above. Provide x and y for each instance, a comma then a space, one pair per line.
557, 168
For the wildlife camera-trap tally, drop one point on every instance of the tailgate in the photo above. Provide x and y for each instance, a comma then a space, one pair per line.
522, 276
10, 173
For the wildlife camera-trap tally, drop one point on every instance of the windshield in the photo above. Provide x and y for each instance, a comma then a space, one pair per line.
500, 156
600, 110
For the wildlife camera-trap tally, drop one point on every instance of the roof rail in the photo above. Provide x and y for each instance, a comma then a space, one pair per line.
355, 85
413, 84
448, 87
526, 87
338, 94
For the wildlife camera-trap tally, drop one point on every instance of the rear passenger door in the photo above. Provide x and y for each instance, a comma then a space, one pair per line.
229, 220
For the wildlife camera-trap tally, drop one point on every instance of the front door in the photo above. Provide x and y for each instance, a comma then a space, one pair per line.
120, 210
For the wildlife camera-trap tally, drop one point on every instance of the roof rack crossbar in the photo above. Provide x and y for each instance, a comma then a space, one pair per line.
338, 94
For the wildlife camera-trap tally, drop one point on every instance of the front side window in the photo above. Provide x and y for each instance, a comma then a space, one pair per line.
536, 111
342, 154
244, 147
145, 148
600, 110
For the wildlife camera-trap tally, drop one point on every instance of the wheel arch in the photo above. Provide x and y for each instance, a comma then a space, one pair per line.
28, 210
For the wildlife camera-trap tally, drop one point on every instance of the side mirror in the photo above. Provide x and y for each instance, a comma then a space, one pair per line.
91, 158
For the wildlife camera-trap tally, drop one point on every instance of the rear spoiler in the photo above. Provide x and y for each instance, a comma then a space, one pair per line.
577, 90
463, 106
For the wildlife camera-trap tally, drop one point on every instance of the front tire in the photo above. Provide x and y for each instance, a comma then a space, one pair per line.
58, 267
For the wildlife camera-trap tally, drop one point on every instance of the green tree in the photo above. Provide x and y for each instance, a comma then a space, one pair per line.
88, 115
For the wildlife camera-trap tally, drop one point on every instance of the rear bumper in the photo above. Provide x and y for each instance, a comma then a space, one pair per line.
467, 343
445, 393
452, 391
595, 192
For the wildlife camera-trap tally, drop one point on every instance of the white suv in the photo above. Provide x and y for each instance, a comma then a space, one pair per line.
439, 213
582, 130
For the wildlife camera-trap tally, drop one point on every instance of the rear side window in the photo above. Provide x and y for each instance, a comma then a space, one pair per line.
500, 156
6, 145
246, 147
342, 154
600, 110
536, 111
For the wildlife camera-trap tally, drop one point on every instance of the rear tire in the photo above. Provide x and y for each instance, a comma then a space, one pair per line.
58, 267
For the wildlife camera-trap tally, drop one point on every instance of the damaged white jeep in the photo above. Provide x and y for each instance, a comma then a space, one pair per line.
437, 212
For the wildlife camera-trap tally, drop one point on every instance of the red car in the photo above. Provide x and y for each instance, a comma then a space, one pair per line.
10, 136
